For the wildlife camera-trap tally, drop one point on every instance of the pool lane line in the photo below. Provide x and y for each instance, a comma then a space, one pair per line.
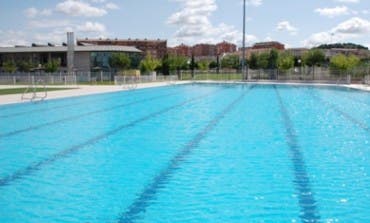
360, 124
307, 202
35, 127
4, 181
89, 99
144, 199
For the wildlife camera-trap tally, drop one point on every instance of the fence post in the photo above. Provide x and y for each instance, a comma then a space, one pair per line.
14, 80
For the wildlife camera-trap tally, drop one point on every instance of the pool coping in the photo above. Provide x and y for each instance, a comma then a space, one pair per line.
76, 91
84, 90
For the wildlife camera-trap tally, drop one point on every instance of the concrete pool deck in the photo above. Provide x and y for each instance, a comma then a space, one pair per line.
81, 90
75, 91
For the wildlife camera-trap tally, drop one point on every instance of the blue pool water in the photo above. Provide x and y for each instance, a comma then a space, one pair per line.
189, 153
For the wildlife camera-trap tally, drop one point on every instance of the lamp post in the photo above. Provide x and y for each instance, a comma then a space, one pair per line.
243, 58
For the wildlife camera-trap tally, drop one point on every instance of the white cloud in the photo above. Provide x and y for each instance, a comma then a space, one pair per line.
255, 3
333, 12
44, 24
347, 30
78, 8
46, 12
355, 26
194, 25
13, 37
111, 6
33, 12
89, 27
348, 1
286, 26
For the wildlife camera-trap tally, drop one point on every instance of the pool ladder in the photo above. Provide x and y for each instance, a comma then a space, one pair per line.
129, 82
32, 90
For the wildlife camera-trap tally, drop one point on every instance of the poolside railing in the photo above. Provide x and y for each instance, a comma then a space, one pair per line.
298, 74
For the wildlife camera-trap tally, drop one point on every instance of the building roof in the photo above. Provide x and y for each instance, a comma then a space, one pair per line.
86, 40
51, 49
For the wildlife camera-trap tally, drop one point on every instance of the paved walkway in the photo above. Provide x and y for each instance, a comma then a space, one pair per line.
75, 91
81, 90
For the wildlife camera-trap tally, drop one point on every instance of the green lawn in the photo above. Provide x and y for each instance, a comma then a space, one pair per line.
21, 90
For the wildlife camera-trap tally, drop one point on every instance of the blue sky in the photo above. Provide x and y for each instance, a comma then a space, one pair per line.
303, 23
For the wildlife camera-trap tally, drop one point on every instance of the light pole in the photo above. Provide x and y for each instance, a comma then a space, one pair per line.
243, 48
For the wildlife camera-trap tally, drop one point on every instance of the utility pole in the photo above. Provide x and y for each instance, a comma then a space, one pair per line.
243, 58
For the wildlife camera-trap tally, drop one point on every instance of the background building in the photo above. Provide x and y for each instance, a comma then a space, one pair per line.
157, 48
86, 57
261, 47
225, 47
203, 50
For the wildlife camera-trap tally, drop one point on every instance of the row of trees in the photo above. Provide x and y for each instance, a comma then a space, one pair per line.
26, 66
170, 63
312, 58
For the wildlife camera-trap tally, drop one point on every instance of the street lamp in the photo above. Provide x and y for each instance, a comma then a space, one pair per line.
243, 58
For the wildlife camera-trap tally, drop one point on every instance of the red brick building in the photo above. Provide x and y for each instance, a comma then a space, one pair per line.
157, 48
269, 45
262, 47
225, 47
180, 50
204, 50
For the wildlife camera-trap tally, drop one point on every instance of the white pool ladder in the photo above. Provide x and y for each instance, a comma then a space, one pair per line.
129, 82
31, 93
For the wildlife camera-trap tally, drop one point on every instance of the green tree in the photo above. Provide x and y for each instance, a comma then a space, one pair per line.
273, 58
230, 61
9, 66
263, 60
120, 61
253, 61
314, 57
25, 66
344, 63
285, 61
177, 63
203, 65
213, 65
149, 63
165, 65
52, 66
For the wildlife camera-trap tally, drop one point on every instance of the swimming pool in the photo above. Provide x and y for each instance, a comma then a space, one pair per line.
189, 153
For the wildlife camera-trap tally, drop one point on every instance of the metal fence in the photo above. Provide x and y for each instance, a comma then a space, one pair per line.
298, 74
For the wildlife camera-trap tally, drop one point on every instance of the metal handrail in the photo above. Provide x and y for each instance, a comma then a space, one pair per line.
33, 86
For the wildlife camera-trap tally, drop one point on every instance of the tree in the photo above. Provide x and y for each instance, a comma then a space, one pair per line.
314, 57
272, 60
120, 61
285, 61
52, 66
342, 46
263, 60
24, 66
177, 63
230, 61
165, 65
203, 65
9, 66
344, 63
252, 62
213, 65
149, 63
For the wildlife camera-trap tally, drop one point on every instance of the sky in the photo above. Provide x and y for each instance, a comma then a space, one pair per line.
296, 23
